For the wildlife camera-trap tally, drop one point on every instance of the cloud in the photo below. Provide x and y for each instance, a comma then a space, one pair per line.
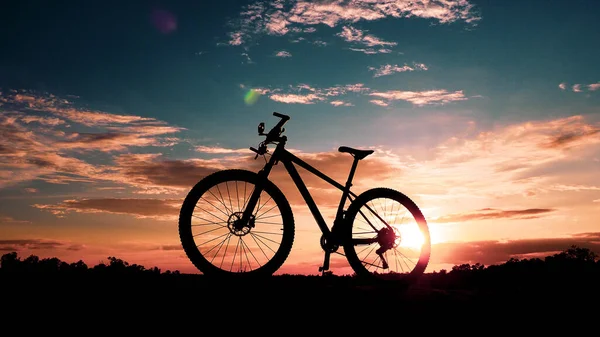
283, 53
294, 98
235, 38
578, 87
31, 153
49, 121
303, 30
421, 98
109, 141
370, 51
7, 220
151, 171
340, 103
158, 209
220, 150
247, 57
568, 136
305, 94
279, 17
65, 109
351, 34
39, 142
500, 166
389, 69
576, 188
500, 251
27, 104
491, 213
379, 102
30, 244
277, 24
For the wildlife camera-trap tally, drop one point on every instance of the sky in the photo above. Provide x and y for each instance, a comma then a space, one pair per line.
485, 113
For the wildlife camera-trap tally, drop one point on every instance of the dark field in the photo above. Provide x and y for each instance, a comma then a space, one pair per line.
532, 292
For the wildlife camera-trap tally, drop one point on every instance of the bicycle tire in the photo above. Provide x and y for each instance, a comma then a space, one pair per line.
200, 259
349, 243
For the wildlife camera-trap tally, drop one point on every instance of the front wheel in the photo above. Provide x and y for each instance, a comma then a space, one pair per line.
386, 237
214, 237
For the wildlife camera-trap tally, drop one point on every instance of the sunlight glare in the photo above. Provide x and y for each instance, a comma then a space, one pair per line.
411, 237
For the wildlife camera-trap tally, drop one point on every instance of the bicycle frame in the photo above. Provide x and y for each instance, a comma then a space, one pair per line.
288, 159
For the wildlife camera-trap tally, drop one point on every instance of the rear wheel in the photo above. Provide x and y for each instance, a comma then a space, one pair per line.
218, 243
386, 237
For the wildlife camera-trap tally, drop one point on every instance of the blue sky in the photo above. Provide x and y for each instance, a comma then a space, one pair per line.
412, 80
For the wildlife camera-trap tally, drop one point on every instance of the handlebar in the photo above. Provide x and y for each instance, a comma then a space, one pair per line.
273, 135
277, 114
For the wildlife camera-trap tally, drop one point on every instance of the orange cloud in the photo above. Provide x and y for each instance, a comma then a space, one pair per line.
35, 244
147, 170
158, 209
7, 220
34, 146
490, 213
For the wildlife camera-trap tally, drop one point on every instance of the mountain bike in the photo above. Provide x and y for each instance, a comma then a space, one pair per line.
236, 222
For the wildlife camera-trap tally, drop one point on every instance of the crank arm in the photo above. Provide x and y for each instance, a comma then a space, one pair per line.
380, 252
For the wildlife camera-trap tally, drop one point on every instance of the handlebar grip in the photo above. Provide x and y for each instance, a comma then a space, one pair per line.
277, 114
253, 149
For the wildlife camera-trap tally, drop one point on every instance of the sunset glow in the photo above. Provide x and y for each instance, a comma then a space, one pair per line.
411, 237
489, 121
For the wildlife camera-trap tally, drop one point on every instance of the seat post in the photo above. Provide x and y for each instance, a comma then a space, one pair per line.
340, 211
352, 170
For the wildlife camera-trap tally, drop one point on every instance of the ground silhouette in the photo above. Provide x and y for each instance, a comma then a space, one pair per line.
561, 284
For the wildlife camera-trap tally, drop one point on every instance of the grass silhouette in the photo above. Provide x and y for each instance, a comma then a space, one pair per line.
518, 286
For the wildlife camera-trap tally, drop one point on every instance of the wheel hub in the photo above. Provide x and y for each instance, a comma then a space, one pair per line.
237, 226
388, 238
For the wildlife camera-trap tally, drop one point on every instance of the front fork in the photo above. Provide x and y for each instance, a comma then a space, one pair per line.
253, 201
262, 179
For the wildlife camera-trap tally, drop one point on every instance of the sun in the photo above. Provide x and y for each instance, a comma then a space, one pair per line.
411, 237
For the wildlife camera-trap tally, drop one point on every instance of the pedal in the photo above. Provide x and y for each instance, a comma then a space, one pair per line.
385, 264
325, 266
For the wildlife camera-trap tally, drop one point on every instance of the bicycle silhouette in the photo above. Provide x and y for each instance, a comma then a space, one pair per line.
250, 231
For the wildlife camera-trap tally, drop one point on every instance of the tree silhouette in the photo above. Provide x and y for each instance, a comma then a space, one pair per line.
572, 261
578, 254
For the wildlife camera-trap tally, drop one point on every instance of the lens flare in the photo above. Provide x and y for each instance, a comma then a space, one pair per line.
251, 97
164, 21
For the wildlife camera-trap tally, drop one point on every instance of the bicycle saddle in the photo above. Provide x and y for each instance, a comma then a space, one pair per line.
359, 154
